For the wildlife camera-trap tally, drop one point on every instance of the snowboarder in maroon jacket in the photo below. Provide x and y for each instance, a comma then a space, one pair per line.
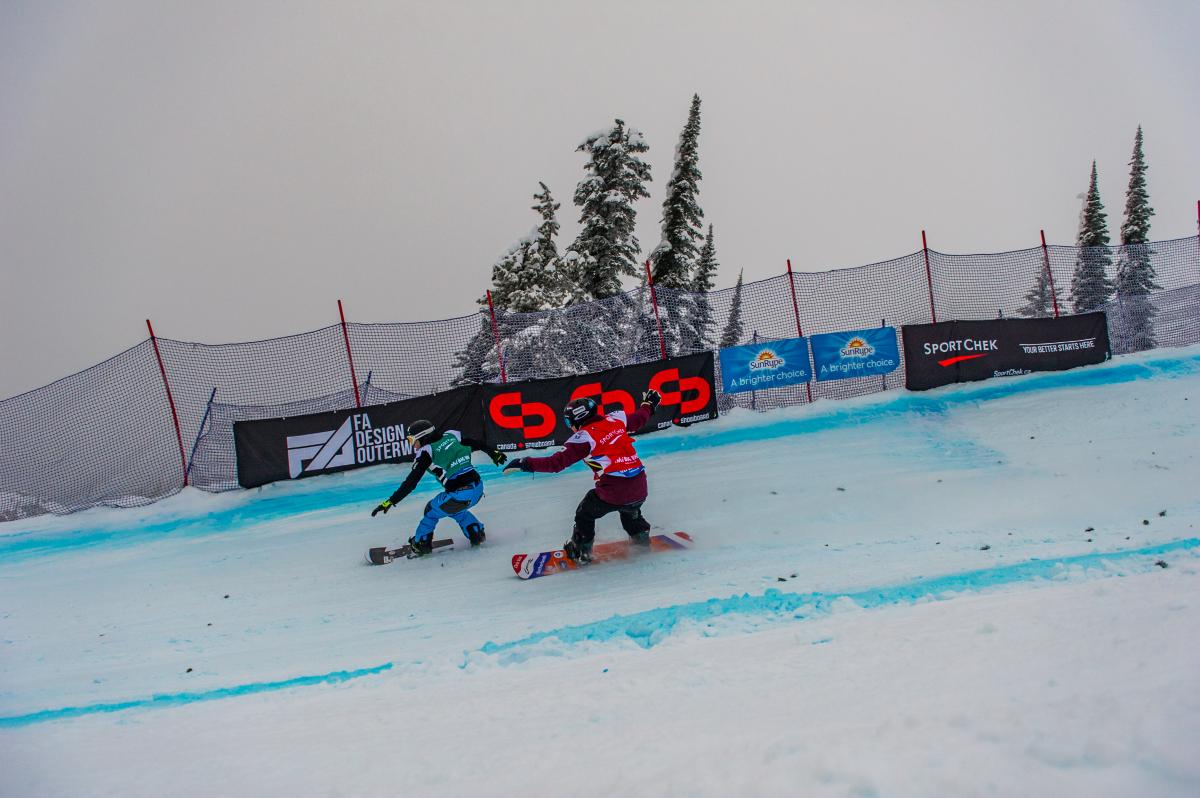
603, 442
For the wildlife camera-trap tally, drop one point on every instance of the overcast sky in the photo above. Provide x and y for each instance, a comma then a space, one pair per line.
230, 169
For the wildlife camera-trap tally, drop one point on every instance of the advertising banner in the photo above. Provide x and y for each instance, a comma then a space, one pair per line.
961, 351
857, 353
528, 415
324, 443
755, 367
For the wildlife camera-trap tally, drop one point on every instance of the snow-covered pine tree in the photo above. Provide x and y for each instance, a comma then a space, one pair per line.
477, 362
525, 283
673, 261
1135, 270
732, 334
1090, 284
606, 248
1039, 301
696, 332
545, 249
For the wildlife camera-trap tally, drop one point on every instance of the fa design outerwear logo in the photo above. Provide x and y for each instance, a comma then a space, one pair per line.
355, 441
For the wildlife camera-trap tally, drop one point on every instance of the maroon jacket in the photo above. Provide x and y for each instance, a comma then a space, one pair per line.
610, 487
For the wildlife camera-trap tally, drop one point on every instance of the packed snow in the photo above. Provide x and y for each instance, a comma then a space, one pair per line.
987, 589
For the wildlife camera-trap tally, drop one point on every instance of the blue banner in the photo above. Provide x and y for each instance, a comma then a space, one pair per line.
756, 367
857, 353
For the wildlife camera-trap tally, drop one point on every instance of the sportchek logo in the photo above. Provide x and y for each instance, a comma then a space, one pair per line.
355, 442
977, 347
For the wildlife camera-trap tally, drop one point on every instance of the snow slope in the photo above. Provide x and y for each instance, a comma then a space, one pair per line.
982, 590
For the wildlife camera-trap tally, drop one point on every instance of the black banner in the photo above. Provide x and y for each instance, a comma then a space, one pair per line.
514, 416
963, 351
324, 443
528, 415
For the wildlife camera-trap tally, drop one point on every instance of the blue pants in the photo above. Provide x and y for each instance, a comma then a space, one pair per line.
454, 505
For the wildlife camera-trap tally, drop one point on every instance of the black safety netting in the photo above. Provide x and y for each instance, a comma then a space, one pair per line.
106, 436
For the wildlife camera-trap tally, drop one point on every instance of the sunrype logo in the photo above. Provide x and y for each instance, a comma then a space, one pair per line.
766, 359
857, 347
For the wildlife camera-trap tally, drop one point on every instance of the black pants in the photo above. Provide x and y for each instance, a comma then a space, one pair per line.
593, 507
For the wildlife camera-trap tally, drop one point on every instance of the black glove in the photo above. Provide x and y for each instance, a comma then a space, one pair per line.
517, 464
652, 398
498, 457
382, 508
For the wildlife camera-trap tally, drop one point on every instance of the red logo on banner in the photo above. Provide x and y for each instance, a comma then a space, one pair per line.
536, 419
605, 398
697, 384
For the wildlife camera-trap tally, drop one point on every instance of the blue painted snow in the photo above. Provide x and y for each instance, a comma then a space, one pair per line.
179, 699
651, 627
647, 629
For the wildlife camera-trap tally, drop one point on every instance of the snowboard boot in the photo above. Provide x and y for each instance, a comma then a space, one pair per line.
475, 534
578, 550
640, 539
419, 548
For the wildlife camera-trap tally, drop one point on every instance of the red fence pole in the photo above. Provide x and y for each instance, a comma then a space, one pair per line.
796, 310
170, 400
350, 357
662, 344
928, 276
1050, 274
496, 335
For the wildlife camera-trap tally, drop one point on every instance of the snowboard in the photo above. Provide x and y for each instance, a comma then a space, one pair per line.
382, 555
531, 566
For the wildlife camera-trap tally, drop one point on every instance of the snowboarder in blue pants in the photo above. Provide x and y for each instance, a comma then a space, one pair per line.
448, 455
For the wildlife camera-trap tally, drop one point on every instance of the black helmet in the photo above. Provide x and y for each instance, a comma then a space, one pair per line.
580, 411
421, 432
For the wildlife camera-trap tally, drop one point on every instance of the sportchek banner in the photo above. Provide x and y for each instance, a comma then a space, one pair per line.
323, 443
513, 416
857, 353
528, 415
962, 351
755, 367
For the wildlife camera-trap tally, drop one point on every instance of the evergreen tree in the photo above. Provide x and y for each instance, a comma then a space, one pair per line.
546, 249
673, 261
1090, 284
696, 333
478, 362
525, 284
1135, 271
1039, 302
607, 248
732, 334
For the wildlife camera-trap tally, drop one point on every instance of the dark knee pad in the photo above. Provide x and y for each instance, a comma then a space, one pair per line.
454, 506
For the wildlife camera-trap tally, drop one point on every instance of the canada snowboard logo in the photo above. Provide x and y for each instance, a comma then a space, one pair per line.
355, 442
